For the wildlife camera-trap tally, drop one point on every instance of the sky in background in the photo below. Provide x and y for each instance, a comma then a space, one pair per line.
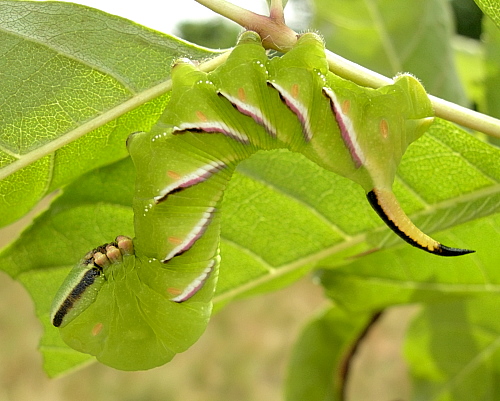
162, 15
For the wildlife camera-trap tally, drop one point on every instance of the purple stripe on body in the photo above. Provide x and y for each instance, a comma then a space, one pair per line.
197, 231
188, 180
211, 127
252, 112
346, 128
196, 284
297, 108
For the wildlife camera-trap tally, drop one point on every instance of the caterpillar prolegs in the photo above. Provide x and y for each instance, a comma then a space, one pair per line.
119, 306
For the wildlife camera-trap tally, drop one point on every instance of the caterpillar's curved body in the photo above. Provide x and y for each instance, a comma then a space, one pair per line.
213, 122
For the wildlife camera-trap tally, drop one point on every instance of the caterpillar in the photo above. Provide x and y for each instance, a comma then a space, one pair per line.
119, 302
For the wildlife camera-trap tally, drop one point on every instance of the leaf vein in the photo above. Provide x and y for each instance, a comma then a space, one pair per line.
303, 203
465, 159
60, 52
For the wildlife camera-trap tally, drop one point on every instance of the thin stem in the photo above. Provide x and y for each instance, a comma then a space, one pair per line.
444, 109
277, 35
345, 369
273, 31
276, 11
466, 117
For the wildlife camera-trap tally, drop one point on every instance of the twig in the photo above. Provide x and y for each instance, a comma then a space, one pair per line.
347, 362
273, 30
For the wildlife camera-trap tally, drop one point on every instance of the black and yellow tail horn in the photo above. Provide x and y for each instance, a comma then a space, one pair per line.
386, 205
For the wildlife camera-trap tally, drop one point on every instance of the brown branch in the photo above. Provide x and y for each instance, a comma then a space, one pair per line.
272, 29
345, 368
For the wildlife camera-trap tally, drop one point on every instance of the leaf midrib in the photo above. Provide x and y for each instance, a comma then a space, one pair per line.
284, 269
134, 102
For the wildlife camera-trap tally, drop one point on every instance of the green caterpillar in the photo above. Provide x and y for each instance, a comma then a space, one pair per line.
134, 306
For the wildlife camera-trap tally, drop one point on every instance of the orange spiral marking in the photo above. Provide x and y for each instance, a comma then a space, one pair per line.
173, 291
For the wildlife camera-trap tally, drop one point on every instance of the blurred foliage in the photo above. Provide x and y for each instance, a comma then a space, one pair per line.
467, 17
215, 33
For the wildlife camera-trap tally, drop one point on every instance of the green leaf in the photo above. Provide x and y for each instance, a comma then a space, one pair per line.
316, 365
437, 201
394, 36
284, 2
66, 69
454, 350
491, 8
491, 82
405, 276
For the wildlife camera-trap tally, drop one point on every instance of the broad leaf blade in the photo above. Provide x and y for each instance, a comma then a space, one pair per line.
492, 69
63, 66
470, 65
447, 178
257, 236
466, 187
